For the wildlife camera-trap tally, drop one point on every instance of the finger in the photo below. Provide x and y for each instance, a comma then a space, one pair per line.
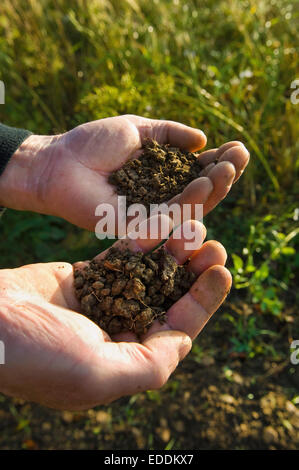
169, 132
194, 309
222, 177
207, 169
224, 147
186, 205
197, 192
147, 236
209, 254
168, 349
179, 135
207, 157
185, 240
238, 155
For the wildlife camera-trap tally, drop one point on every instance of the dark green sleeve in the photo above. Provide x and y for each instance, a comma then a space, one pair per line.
10, 139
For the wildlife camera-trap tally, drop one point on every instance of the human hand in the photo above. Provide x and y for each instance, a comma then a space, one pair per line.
67, 175
61, 359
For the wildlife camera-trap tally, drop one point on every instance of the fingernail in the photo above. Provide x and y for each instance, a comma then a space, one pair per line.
185, 347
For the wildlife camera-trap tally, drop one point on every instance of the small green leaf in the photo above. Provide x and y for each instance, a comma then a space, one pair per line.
238, 263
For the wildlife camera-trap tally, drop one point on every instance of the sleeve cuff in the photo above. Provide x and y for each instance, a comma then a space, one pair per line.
10, 139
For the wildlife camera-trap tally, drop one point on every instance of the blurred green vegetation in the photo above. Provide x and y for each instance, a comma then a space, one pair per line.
223, 66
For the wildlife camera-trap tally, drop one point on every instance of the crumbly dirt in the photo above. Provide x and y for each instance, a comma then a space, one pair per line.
160, 173
127, 291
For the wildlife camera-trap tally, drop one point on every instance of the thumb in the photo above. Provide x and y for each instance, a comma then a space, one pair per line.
167, 348
136, 367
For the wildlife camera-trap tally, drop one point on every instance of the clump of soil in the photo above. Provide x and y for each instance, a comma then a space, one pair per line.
127, 291
160, 173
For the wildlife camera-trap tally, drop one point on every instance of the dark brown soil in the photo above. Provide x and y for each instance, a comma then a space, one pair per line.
127, 291
157, 175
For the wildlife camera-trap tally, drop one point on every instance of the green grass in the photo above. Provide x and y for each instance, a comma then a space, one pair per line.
223, 66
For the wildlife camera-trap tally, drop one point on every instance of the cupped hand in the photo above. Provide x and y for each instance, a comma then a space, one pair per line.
59, 358
67, 175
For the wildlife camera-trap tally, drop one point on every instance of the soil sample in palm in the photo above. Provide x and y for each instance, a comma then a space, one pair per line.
127, 291
160, 173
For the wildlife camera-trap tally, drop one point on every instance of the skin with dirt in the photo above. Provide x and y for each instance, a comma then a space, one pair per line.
127, 291
230, 401
160, 173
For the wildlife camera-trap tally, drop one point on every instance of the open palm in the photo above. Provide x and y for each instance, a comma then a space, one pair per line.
59, 358
76, 166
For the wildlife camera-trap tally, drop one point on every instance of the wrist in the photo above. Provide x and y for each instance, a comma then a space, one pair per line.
21, 181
